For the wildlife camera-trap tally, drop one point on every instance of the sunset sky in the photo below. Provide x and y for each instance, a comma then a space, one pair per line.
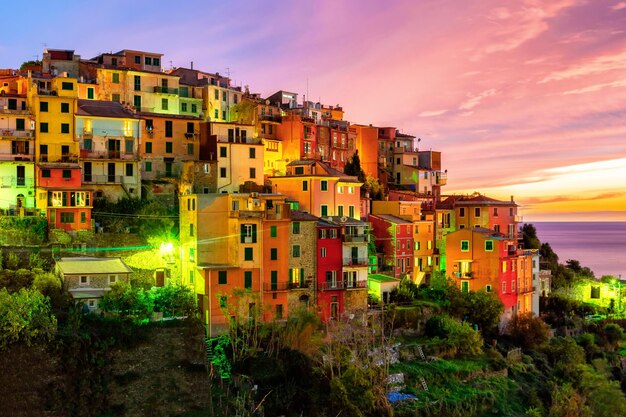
524, 98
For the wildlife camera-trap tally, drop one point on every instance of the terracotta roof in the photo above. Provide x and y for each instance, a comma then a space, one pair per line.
391, 218
104, 109
167, 116
302, 216
344, 221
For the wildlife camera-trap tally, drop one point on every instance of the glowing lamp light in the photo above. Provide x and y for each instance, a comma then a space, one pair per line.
166, 248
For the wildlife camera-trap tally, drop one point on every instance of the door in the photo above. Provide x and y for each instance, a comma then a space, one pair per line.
160, 278
21, 175
110, 172
114, 149
87, 172
43, 153
355, 255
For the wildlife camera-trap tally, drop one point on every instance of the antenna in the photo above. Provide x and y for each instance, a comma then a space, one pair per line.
228, 72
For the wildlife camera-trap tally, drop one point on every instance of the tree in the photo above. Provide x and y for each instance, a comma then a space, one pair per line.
29, 64
174, 300
529, 236
353, 167
548, 256
374, 188
126, 301
25, 317
528, 331
484, 309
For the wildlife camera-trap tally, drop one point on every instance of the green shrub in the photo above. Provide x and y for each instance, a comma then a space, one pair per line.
174, 300
528, 331
25, 317
13, 261
456, 339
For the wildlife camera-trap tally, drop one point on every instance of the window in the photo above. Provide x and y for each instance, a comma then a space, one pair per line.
43, 127
279, 311
295, 251
324, 185
168, 128
465, 246
299, 170
252, 172
137, 83
168, 147
332, 233
84, 280
247, 279
223, 114
137, 102
511, 212
20, 124
351, 211
90, 93
137, 59
148, 147
488, 288
504, 266
273, 254
595, 292
504, 288
248, 233
465, 286
222, 277
462, 212
43, 106
248, 254
183, 107
223, 95
489, 245
164, 104
495, 212
340, 210
148, 60
252, 153
45, 173
129, 170
65, 128
273, 231
67, 173
215, 114
305, 186
156, 62
223, 152
65, 107
477, 212
191, 276
513, 286
67, 86
295, 228
222, 172
324, 210
112, 279
83, 217
115, 98
67, 218
194, 108
115, 78
323, 252
191, 229
190, 149
148, 166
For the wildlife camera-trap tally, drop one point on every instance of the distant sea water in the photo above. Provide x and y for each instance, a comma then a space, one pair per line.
601, 246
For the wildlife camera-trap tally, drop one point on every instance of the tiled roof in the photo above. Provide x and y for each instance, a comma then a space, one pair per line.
302, 216
392, 219
88, 265
104, 109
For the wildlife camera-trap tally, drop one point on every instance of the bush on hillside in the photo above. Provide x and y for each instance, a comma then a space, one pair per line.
528, 331
25, 317
454, 338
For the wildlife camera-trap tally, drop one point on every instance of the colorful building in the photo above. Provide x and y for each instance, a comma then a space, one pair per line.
394, 243
303, 237
329, 283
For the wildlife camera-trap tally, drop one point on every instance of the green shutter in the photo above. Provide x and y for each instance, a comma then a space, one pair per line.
243, 233
290, 275
274, 280
254, 233
247, 275
301, 277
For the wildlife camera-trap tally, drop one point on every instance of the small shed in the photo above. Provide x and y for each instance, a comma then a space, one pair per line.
381, 285
88, 278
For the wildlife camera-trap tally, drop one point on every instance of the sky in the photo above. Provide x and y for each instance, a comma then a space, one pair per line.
524, 98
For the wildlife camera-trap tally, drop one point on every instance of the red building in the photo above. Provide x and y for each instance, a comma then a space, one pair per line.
67, 205
394, 243
330, 285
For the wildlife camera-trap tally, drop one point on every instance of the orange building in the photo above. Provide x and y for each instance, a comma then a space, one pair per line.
366, 142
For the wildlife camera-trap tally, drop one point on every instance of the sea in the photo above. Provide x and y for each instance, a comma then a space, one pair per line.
601, 246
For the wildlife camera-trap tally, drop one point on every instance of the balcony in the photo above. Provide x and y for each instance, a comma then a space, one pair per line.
302, 285
441, 178
463, 275
13, 181
89, 154
356, 285
404, 149
355, 261
103, 179
246, 214
14, 133
330, 286
270, 118
190, 135
355, 238
276, 286
166, 90
16, 157
20, 211
16, 112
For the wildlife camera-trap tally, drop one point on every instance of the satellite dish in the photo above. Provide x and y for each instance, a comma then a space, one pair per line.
267, 102
344, 219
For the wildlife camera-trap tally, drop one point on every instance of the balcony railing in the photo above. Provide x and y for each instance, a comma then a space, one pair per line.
355, 261
302, 285
355, 238
276, 286
89, 154
166, 90
246, 214
464, 275
14, 133
355, 285
103, 179
19, 112
16, 156
329, 285
13, 181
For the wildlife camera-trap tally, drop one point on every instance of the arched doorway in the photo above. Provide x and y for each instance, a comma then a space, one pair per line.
21, 200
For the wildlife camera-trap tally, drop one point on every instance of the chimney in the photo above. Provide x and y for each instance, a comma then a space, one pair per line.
512, 200
191, 64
